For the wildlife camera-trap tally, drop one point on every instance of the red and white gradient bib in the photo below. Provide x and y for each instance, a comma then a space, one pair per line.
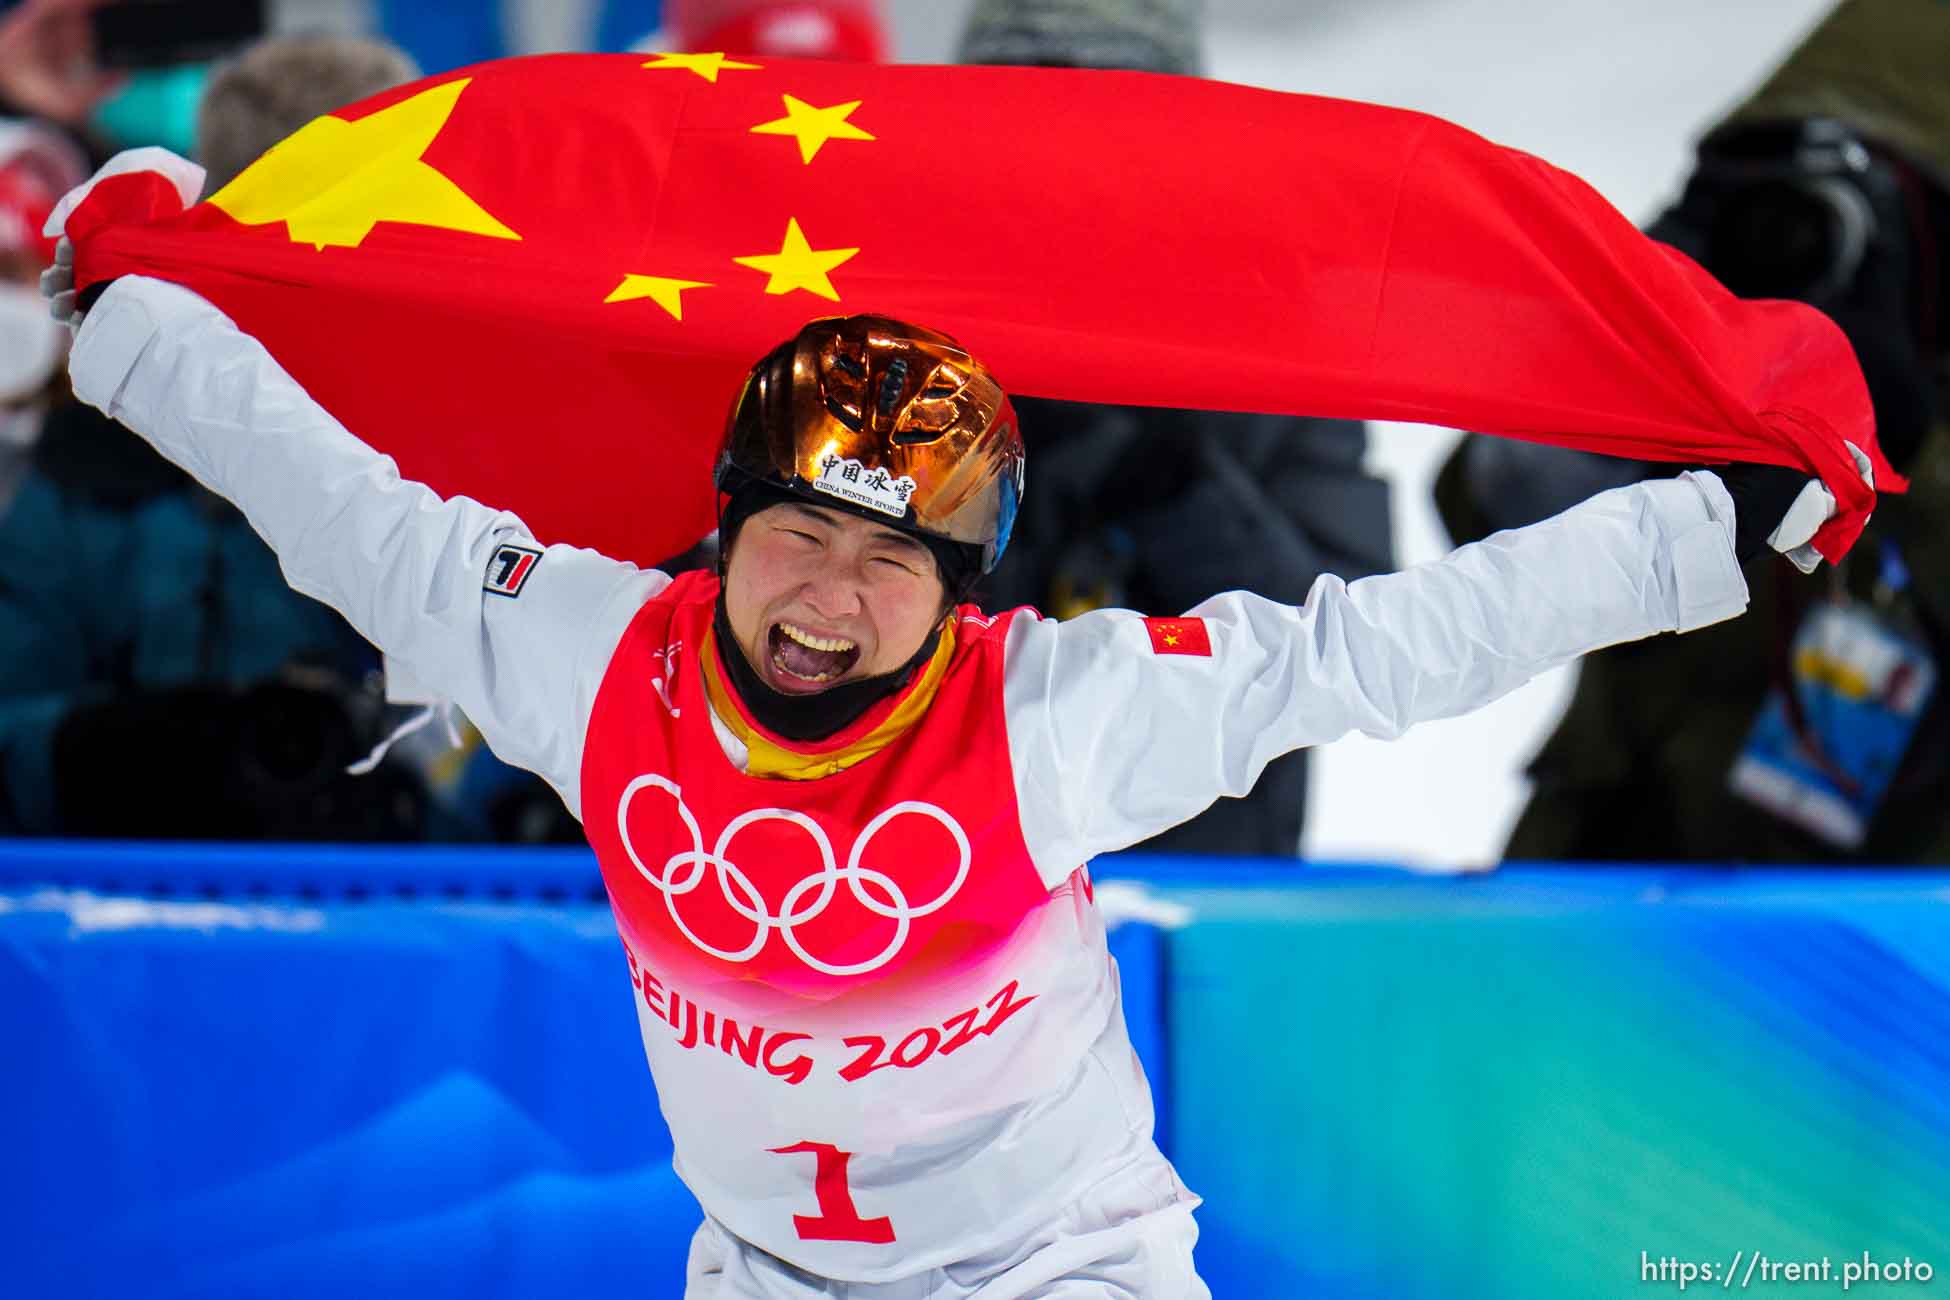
856, 993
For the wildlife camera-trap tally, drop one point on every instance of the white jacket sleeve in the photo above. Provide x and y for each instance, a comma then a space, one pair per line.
1113, 743
409, 570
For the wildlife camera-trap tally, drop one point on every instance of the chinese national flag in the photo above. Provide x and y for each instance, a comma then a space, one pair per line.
1179, 636
539, 282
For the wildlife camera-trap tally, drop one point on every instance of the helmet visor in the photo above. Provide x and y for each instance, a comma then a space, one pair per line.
888, 420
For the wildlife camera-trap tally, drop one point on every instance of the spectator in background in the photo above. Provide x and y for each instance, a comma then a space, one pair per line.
799, 29
162, 680
1771, 738
443, 34
47, 62
37, 166
276, 86
1157, 510
1127, 35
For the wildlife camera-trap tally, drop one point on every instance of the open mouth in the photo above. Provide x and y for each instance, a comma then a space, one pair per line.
801, 657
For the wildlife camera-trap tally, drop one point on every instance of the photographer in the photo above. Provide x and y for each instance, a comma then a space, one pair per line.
1815, 730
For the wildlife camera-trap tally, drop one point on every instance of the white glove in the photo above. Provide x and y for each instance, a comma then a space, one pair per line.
57, 286
1782, 509
185, 175
57, 282
1813, 508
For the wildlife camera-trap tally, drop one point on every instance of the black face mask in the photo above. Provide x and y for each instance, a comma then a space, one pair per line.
817, 715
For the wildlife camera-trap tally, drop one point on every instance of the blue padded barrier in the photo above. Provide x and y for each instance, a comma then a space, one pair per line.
1552, 1083
318, 1072
240, 1083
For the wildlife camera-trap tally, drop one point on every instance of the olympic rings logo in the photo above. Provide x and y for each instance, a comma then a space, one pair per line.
683, 872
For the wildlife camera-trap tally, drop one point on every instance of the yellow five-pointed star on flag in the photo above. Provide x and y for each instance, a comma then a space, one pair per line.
813, 127
665, 292
334, 180
798, 265
707, 66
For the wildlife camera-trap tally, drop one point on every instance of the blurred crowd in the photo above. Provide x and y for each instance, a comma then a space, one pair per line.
162, 681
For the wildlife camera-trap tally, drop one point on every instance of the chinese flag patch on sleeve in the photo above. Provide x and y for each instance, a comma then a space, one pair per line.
1179, 636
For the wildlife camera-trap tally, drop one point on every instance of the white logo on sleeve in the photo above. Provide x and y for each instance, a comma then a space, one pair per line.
875, 891
849, 480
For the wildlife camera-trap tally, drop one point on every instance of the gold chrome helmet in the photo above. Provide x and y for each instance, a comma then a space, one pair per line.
888, 420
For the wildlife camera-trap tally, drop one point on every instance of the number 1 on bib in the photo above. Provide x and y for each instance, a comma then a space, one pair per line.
838, 1218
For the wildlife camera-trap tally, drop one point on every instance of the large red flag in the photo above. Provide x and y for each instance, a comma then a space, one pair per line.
538, 282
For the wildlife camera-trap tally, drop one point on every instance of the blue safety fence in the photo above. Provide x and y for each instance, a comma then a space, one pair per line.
331, 1072
311, 1072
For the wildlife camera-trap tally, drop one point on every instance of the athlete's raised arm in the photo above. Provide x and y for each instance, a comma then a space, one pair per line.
1122, 726
460, 594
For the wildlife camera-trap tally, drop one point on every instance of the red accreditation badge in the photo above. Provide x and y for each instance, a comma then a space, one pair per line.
1179, 636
